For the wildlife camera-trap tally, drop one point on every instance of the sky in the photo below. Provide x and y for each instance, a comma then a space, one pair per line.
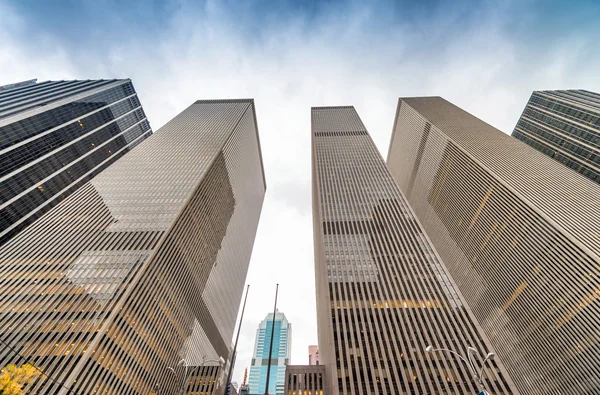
484, 56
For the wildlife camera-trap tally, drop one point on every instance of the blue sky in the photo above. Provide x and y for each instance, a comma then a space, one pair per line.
485, 56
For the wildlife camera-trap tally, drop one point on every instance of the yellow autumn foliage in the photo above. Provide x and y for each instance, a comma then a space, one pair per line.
12, 378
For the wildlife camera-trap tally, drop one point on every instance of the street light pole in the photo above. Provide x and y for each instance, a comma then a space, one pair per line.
477, 377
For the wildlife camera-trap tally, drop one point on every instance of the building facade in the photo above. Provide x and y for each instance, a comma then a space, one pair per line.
518, 232
565, 125
305, 380
57, 135
383, 295
280, 357
313, 355
132, 284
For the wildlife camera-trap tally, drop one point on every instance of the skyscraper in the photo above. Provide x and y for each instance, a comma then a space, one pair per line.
55, 136
518, 232
383, 295
132, 284
564, 125
282, 352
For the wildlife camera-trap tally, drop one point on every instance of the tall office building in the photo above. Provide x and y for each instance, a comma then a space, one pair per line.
565, 125
519, 234
383, 295
57, 135
132, 284
280, 357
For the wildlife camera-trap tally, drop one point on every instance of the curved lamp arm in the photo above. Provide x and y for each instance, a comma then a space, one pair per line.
482, 371
471, 350
221, 361
430, 349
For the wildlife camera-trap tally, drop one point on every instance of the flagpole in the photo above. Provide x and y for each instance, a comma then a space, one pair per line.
237, 337
271, 346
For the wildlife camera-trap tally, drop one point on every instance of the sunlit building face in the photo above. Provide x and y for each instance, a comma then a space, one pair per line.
132, 284
518, 232
383, 295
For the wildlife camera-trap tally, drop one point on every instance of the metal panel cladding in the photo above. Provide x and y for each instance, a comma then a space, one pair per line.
55, 136
383, 295
132, 284
305, 379
520, 235
565, 125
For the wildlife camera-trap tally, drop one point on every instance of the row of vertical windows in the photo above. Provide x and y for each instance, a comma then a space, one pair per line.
388, 300
523, 277
105, 293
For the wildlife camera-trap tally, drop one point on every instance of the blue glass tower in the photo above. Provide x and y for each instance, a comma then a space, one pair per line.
282, 350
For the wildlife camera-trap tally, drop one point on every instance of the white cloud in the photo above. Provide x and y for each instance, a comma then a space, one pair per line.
340, 58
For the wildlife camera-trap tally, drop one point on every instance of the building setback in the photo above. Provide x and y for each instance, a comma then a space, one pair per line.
280, 357
518, 232
57, 135
305, 380
132, 284
564, 125
313, 355
383, 295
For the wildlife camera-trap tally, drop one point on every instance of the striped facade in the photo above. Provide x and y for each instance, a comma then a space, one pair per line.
383, 295
564, 125
57, 135
305, 380
132, 284
520, 235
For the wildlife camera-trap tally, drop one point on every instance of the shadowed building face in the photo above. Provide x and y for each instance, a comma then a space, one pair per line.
55, 136
518, 232
133, 283
383, 295
565, 125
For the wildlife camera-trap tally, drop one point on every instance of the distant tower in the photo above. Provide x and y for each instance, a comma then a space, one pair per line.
282, 351
55, 136
244, 389
313, 355
565, 125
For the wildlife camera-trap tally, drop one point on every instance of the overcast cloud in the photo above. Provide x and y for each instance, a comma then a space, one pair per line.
486, 57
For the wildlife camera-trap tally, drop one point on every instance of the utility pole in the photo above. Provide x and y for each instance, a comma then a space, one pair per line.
271, 346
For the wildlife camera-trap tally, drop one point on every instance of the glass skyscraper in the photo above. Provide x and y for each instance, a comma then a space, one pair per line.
383, 294
132, 284
520, 235
280, 357
565, 125
57, 135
